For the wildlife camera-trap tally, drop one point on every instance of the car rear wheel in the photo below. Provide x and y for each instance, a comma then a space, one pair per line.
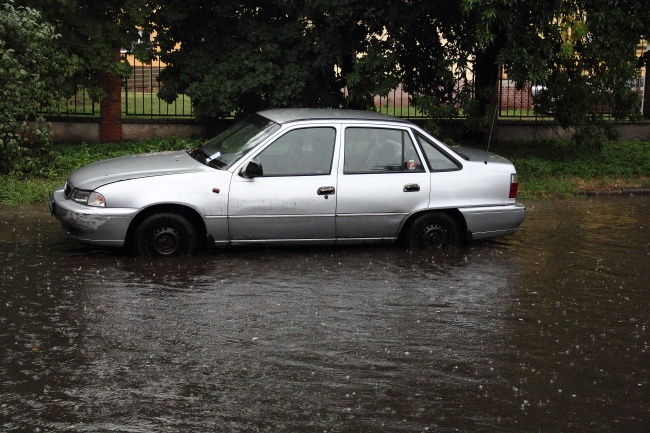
166, 234
434, 231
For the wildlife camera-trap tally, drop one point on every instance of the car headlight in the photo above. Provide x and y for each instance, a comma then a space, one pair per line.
90, 198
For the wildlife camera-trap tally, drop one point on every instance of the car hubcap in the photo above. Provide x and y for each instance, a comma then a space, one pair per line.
433, 236
165, 241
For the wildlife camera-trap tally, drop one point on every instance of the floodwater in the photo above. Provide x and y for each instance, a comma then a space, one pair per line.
544, 331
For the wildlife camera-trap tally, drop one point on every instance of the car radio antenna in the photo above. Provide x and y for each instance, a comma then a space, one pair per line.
494, 116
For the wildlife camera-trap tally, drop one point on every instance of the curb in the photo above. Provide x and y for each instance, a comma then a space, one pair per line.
625, 192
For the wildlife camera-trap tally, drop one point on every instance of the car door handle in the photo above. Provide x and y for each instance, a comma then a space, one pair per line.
325, 190
411, 187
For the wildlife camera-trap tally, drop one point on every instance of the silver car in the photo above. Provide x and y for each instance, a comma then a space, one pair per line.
294, 176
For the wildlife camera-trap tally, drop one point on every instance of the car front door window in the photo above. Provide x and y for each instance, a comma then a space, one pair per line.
300, 152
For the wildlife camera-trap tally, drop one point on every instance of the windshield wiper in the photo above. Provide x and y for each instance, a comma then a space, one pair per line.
202, 156
215, 163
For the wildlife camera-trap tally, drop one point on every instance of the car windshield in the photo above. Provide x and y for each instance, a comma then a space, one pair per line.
226, 148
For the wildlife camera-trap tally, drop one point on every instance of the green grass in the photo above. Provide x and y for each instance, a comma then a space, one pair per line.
148, 104
557, 169
546, 169
399, 111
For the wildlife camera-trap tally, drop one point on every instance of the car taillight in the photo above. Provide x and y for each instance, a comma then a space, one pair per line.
514, 186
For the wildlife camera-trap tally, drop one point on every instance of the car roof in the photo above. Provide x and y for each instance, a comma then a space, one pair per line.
288, 115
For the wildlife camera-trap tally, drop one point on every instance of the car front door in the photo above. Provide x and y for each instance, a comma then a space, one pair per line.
293, 199
381, 181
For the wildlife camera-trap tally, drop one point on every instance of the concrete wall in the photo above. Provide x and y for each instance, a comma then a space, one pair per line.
76, 131
87, 130
136, 131
509, 130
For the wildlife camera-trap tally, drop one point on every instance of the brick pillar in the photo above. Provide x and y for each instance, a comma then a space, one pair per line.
110, 129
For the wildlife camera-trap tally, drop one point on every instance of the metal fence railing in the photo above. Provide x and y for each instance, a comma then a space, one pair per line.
398, 103
140, 93
140, 99
80, 104
515, 103
528, 102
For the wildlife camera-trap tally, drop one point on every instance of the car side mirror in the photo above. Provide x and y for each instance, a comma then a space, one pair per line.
252, 169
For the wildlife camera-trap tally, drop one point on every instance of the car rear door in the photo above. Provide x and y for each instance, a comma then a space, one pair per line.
381, 181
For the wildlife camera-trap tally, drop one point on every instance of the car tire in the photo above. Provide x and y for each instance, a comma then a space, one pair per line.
166, 234
434, 231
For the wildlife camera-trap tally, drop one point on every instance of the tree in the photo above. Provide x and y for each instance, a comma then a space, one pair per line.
239, 56
236, 57
33, 76
93, 30
433, 42
582, 51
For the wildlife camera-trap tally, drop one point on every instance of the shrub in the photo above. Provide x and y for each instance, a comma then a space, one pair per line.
34, 76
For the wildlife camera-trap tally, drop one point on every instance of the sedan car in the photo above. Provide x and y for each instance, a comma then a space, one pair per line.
294, 176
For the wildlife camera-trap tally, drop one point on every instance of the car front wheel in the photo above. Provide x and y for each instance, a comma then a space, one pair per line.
166, 234
434, 231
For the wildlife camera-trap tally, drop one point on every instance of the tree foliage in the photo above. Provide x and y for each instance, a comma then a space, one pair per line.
582, 51
33, 76
92, 31
48, 46
238, 57
241, 56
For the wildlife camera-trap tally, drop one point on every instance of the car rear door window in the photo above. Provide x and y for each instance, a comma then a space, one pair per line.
379, 150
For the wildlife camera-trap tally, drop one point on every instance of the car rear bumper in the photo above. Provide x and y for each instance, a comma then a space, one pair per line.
486, 222
91, 225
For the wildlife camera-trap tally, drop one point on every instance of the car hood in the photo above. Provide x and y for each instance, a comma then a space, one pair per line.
133, 167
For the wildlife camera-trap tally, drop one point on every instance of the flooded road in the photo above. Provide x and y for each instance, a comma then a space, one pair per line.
546, 330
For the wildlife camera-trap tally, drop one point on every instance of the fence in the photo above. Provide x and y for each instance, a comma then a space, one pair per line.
80, 104
140, 93
513, 102
527, 103
140, 99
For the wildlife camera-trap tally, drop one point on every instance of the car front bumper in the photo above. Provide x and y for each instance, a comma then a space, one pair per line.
91, 225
